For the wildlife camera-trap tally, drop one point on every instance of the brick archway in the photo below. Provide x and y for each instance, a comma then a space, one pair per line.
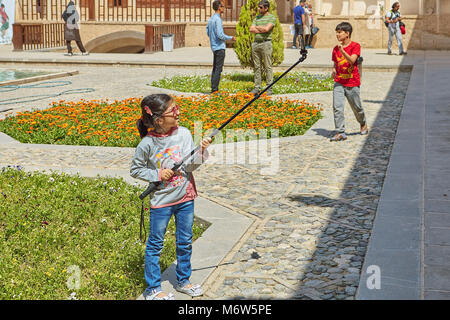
118, 42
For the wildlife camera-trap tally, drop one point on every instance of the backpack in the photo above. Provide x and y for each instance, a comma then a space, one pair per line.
386, 23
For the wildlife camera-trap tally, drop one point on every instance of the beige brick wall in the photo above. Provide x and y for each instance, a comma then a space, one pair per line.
370, 33
423, 32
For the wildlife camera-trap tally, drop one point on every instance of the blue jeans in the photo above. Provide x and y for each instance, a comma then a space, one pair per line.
159, 219
398, 34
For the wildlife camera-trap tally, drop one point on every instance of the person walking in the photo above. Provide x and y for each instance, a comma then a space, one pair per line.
393, 19
298, 19
346, 81
157, 152
72, 28
217, 38
262, 27
307, 24
312, 27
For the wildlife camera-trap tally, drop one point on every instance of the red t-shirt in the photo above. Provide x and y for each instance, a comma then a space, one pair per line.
347, 75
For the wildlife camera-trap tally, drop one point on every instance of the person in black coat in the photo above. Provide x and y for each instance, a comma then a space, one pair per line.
72, 29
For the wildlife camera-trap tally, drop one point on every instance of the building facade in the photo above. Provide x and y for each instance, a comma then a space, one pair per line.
123, 25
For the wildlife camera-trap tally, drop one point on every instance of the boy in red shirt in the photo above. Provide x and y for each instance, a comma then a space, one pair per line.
346, 81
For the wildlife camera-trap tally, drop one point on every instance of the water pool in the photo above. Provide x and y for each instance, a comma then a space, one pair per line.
10, 74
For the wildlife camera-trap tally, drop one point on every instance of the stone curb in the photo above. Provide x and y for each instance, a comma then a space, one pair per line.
39, 78
394, 249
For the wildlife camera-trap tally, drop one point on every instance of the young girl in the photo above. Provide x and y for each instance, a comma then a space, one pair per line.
159, 149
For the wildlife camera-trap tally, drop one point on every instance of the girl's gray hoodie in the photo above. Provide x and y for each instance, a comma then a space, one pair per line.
156, 152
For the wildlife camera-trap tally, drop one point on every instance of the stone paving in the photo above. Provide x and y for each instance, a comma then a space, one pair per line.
313, 218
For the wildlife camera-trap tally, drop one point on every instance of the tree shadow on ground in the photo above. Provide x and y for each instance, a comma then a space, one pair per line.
343, 221
329, 133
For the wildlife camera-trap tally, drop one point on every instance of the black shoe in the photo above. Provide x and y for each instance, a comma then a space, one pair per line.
215, 93
403, 53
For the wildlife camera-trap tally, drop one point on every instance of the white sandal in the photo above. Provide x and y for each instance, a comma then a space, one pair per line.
194, 291
154, 296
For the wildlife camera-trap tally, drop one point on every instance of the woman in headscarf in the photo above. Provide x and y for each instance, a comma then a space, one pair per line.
72, 28
307, 24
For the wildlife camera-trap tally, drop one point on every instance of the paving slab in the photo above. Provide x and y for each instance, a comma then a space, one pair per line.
411, 216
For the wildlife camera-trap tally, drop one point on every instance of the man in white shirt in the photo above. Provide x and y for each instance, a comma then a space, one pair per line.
393, 19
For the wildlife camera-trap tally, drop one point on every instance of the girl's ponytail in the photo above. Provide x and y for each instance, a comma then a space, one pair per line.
143, 130
157, 104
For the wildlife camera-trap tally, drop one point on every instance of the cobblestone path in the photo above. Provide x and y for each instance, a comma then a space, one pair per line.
312, 220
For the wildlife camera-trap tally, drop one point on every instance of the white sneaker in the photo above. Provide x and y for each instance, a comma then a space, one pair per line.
194, 290
154, 296
85, 53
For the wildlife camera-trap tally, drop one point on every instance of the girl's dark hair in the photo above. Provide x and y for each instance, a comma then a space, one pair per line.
346, 27
158, 104
394, 5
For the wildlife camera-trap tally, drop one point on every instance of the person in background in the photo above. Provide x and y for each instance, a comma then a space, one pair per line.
262, 27
307, 29
307, 24
298, 19
393, 19
311, 36
72, 28
217, 39
4, 19
347, 81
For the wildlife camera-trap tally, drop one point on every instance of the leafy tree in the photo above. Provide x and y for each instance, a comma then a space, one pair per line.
244, 38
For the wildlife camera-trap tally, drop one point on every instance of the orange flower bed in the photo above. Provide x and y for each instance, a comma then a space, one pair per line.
104, 123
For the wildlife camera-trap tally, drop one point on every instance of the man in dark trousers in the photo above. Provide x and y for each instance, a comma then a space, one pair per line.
217, 38
72, 28
299, 19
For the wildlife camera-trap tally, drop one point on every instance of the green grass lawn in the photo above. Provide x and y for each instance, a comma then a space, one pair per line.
294, 82
51, 222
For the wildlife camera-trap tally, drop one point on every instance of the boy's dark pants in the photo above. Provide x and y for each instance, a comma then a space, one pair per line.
219, 58
298, 33
340, 93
